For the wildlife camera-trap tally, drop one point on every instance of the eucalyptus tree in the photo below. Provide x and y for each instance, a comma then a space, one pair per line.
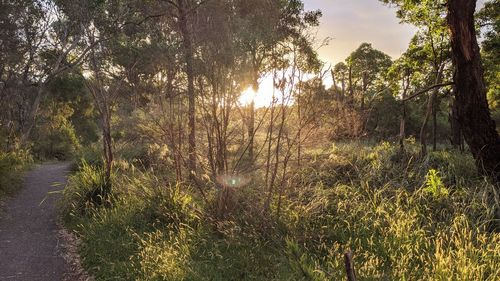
470, 90
109, 28
38, 44
366, 66
339, 75
263, 26
489, 21
433, 40
104, 79
471, 104
220, 65
401, 74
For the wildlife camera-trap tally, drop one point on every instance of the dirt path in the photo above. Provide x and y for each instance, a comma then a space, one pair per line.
29, 245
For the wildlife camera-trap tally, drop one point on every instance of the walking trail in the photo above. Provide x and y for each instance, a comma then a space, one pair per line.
30, 248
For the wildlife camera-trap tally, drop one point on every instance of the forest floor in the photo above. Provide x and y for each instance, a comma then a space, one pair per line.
30, 244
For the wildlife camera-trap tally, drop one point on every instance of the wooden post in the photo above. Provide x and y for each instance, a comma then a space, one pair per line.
349, 266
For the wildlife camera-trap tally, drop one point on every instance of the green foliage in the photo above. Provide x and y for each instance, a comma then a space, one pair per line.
489, 19
12, 164
301, 263
383, 124
92, 155
87, 188
164, 257
56, 136
395, 231
70, 91
367, 201
434, 185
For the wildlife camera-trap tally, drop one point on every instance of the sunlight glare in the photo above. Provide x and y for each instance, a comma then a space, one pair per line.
247, 97
262, 98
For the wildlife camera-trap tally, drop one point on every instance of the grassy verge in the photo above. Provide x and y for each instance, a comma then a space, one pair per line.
12, 165
404, 218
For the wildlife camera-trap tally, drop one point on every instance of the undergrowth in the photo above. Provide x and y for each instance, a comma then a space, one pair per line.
12, 164
403, 216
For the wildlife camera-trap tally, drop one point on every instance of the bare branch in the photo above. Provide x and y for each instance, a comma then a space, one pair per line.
428, 89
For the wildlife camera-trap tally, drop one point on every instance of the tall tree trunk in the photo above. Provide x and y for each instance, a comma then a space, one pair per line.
188, 57
435, 107
107, 143
473, 114
334, 81
299, 132
351, 86
251, 121
343, 87
428, 113
456, 133
402, 126
32, 114
365, 88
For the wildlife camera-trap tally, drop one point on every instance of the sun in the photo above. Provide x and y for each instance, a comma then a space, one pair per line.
262, 98
247, 97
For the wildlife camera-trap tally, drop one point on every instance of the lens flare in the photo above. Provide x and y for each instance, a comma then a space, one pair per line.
233, 180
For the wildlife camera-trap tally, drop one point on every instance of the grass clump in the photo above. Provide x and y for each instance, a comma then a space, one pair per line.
12, 165
88, 188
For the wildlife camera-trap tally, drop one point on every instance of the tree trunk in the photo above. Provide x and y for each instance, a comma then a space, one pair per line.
334, 86
349, 266
188, 57
456, 133
402, 125
435, 107
31, 118
251, 121
351, 86
107, 145
428, 113
473, 114
365, 88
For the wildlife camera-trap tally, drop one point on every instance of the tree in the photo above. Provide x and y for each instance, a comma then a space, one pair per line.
366, 66
489, 21
470, 90
401, 73
339, 74
40, 44
184, 12
432, 40
264, 25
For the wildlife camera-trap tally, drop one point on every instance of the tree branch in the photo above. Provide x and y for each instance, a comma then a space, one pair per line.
428, 89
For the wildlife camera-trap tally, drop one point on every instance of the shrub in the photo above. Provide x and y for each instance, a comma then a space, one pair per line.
434, 185
88, 188
61, 144
12, 164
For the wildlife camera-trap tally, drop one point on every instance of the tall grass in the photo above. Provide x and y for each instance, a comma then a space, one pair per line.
12, 164
403, 216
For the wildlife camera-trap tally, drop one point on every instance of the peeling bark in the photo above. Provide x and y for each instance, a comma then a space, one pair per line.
472, 110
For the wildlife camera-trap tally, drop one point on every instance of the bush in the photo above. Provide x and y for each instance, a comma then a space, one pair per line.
12, 164
56, 139
88, 188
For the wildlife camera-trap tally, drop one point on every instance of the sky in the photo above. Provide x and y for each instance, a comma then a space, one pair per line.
348, 23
